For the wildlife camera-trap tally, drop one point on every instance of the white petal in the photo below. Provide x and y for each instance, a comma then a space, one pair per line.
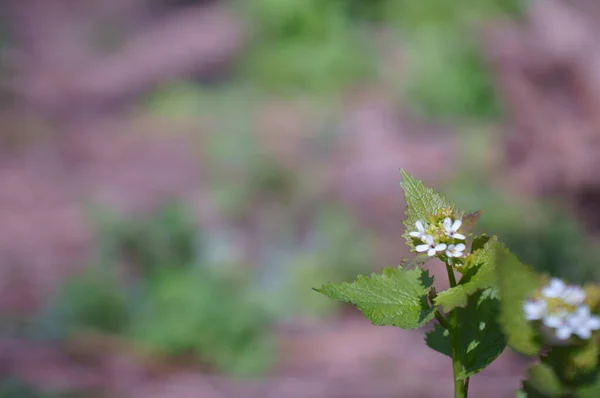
583, 311
460, 247
422, 248
593, 323
428, 239
440, 247
534, 310
563, 332
554, 289
459, 236
583, 332
553, 321
415, 234
420, 226
456, 225
573, 295
448, 224
431, 252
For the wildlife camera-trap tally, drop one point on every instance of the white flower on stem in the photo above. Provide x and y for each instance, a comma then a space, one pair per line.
555, 320
535, 309
452, 227
555, 289
420, 232
581, 323
431, 246
455, 250
573, 295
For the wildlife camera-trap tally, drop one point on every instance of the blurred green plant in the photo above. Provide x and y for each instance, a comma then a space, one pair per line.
197, 312
166, 299
540, 233
326, 45
16, 388
175, 289
306, 46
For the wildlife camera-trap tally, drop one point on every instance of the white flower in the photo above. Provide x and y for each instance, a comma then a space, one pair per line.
431, 246
452, 227
420, 232
573, 295
581, 323
535, 309
455, 250
554, 289
555, 320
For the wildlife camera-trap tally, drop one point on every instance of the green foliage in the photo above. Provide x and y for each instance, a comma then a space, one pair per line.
516, 282
567, 371
15, 388
540, 234
166, 238
173, 295
421, 204
542, 382
479, 275
447, 75
94, 299
195, 312
481, 340
306, 45
396, 297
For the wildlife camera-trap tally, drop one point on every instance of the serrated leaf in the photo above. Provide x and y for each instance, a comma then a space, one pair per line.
481, 341
479, 242
542, 382
516, 282
396, 297
479, 275
421, 203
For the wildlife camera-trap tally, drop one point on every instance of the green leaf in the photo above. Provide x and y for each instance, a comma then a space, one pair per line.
479, 242
589, 391
396, 297
542, 382
516, 281
481, 341
479, 275
585, 358
421, 203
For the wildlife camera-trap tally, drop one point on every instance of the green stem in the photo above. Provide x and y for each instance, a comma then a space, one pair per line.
440, 318
460, 387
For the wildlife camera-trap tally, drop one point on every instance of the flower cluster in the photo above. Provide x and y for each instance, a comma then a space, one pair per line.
440, 239
562, 308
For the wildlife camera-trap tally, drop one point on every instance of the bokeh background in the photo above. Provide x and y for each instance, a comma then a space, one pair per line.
175, 177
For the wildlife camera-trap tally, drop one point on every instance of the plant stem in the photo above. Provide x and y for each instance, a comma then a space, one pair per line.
460, 387
440, 318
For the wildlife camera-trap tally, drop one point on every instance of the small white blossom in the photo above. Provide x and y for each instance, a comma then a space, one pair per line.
555, 289
581, 323
535, 309
431, 246
455, 250
555, 320
420, 232
573, 295
452, 227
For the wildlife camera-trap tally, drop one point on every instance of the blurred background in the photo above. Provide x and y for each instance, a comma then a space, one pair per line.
175, 177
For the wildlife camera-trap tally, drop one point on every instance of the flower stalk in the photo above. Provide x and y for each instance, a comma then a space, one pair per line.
460, 386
